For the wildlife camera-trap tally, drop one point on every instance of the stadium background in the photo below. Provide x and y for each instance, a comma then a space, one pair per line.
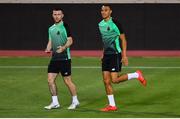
148, 25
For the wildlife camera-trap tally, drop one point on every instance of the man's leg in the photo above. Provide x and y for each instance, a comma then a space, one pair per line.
66, 73
53, 91
115, 67
107, 82
117, 79
72, 88
109, 92
52, 83
136, 75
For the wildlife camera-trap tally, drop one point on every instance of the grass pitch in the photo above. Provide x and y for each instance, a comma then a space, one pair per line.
24, 90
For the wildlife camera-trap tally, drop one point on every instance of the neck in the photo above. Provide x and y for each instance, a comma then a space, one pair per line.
58, 22
106, 19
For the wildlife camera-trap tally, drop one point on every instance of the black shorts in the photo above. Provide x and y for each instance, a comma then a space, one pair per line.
63, 67
112, 62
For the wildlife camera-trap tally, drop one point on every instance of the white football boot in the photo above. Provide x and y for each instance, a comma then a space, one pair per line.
73, 106
52, 106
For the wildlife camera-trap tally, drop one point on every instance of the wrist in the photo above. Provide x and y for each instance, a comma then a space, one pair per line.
64, 47
124, 55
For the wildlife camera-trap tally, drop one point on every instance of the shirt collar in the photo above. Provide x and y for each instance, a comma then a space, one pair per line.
60, 23
108, 20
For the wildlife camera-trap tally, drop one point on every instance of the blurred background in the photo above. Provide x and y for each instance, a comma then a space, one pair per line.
148, 24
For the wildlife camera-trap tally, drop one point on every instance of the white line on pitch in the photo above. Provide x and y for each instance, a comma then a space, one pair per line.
88, 67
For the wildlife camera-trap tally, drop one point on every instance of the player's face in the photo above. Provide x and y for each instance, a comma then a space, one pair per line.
57, 15
106, 12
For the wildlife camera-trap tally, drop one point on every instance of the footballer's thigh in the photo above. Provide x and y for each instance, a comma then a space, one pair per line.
114, 76
53, 71
66, 74
106, 78
66, 71
67, 80
71, 86
52, 77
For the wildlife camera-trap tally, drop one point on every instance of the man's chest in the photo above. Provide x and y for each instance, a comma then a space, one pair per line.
107, 29
57, 31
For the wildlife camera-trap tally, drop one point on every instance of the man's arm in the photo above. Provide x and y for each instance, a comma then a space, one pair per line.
123, 42
67, 45
69, 42
102, 54
49, 46
124, 49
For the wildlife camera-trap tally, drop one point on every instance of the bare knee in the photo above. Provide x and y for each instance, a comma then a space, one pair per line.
68, 81
51, 80
114, 80
114, 77
107, 81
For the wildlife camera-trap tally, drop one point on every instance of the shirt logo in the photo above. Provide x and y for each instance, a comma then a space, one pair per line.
113, 69
108, 28
58, 33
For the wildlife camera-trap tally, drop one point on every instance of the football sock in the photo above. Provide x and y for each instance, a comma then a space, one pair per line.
111, 100
132, 75
55, 100
74, 99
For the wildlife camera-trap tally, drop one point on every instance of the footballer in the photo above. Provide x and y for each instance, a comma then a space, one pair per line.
59, 42
114, 54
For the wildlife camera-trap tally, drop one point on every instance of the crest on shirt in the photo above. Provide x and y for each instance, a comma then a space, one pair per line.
58, 33
108, 28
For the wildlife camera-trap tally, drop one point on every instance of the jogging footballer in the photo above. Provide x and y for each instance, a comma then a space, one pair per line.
114, 55
59, 42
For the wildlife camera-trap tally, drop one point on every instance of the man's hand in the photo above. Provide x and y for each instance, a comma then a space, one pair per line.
47, 51
60, 49
124, 48
48, 48
124, 61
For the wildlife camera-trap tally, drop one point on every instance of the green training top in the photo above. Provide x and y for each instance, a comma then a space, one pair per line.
110, 31
58, 34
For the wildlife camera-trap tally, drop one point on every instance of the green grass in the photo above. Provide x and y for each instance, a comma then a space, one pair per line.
24, 91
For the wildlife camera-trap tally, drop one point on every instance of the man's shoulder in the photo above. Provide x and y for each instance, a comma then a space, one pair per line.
116, 21
51, 27
65, 25
101, 22
118, 24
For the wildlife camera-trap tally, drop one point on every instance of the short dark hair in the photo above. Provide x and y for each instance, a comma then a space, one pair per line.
56, 9
107, 5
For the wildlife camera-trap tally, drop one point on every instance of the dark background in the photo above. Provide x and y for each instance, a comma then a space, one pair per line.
147, 26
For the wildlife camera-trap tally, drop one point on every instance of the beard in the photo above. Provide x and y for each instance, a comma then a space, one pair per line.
57, 21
